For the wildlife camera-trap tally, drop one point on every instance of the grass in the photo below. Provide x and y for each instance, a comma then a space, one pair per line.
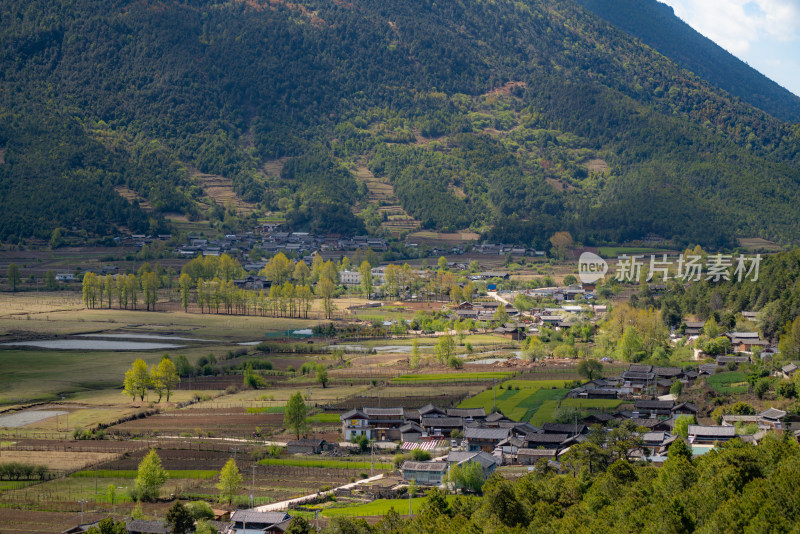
323, 418
267, 409
325, 464
535, 384
545, 413
518, 404
193, 474
728, 383
609, 252
380, 507
451, 377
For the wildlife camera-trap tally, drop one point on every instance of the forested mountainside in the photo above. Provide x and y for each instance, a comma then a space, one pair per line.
656, 25
515, 119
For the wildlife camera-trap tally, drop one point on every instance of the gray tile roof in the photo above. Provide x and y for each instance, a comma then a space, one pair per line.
442, 422
546, 438
150, 527
712, 431
384, 412
486, 433
424, 466
772, 413
256, 517
353, 414
537, 452
466, 412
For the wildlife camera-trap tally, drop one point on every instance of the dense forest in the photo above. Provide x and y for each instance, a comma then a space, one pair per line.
735, 488
656, 25
514, 119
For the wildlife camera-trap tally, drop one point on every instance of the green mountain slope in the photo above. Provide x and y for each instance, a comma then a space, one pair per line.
657, 26
515, 119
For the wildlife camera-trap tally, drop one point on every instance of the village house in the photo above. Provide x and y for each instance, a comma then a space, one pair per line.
142, 526
531, 456
356, 423
386, 422
487, 462
442, 426
252, 521
709, 434
424, 473
307, 446
484, 439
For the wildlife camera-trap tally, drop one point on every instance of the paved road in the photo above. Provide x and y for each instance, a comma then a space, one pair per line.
283, 505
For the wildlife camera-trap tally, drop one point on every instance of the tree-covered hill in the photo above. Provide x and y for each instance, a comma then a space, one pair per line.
516, 119
657, 26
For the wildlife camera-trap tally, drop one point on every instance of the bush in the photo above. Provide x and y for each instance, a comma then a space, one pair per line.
200, 510
418, 455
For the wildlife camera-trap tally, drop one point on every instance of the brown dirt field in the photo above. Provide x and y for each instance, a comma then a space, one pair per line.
442, 238
597, 165
132, 196
62, 461
274, 167
37, 522
758, 244
220, 189
222, 422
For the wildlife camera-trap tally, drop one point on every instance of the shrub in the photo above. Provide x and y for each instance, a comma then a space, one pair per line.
418, 455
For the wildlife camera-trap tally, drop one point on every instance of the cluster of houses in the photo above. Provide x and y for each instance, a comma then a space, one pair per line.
638, 380
272, 241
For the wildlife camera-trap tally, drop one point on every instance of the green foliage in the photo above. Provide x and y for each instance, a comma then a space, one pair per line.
590, 369
179, 519
200, 510
656, 25
418, 455
108, 526
467, 476
137, 379
229, 481
294, 417
150, 477
682, 423
321, 373
578, 90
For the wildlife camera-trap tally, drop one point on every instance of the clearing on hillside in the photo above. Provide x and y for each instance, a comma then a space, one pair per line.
130, 195
381, 193
220, 189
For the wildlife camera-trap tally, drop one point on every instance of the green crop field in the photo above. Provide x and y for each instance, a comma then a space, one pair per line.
546, 411
451, 377
518, 404
380, 507
324, 418
325, 464
729, 383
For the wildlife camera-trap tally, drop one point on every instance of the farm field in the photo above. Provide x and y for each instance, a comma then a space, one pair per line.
546, 411
452, 377
728, 383
380, 507
518, 405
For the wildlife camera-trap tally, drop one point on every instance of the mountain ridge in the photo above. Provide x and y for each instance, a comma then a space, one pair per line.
410, 88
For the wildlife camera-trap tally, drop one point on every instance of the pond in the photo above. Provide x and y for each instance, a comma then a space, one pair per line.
92, 344
146, 336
